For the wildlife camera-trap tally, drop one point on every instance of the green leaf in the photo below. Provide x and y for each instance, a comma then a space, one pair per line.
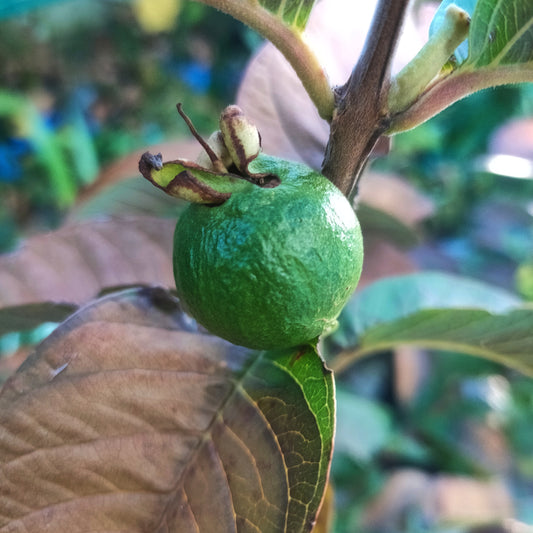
385, 225
500, 53
147, 424
30, 316
437, 311
461, 52
364, 426
501, 33
294, 13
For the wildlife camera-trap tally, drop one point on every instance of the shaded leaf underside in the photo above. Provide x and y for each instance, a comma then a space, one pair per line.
438, 311
27, 317
128, 419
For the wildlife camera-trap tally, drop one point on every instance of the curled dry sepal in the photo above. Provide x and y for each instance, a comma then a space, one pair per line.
220, 171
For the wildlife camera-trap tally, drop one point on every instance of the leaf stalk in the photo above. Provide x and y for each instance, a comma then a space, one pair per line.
290, 43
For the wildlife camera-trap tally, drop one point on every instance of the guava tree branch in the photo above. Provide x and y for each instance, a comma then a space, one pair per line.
361, 109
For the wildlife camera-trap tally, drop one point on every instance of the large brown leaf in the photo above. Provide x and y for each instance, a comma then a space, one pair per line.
75, 262
128, 419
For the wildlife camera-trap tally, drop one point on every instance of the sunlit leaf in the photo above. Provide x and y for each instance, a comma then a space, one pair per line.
500, 52
294, 13
501, 33
128, 419
438, 311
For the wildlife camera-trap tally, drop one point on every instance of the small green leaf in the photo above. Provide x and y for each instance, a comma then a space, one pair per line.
437, 311
296, 386
501, 33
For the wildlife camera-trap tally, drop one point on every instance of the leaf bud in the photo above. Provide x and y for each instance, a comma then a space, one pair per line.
240, 137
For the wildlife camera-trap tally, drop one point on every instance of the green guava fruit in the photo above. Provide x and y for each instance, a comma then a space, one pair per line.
271, 267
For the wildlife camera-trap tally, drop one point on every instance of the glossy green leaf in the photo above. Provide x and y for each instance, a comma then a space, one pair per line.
128, 418
438, 311
501, 33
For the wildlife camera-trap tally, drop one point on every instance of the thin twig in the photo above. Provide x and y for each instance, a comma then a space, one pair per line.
290, 43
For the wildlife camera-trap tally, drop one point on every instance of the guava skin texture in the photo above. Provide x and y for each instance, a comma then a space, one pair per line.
270, 267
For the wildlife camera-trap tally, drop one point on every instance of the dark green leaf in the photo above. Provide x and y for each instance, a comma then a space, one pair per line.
501, 33
438, 311
30, 316
147, 425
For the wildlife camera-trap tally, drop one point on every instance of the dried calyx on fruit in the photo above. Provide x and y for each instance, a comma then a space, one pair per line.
269, 250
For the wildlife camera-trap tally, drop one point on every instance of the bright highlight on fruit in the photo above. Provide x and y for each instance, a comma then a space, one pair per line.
269, 252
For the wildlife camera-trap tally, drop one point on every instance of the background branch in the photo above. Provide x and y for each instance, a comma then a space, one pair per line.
361, 110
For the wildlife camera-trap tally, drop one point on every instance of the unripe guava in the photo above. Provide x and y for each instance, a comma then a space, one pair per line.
271, 267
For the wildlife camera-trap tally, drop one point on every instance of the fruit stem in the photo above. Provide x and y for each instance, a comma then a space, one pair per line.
218, 165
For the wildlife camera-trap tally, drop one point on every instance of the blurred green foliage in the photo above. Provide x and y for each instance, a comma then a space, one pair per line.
83, 84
